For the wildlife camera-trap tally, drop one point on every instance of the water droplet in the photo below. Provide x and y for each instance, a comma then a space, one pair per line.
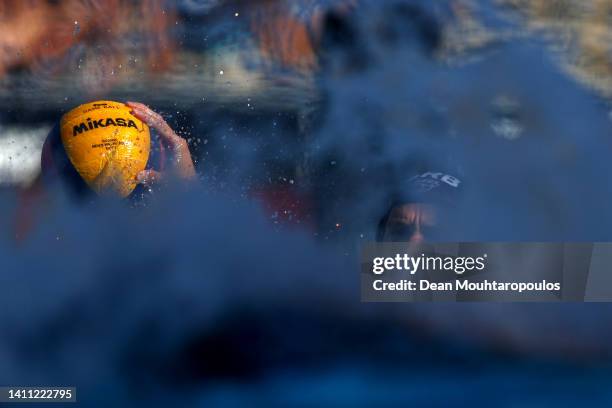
506, 117
507, 128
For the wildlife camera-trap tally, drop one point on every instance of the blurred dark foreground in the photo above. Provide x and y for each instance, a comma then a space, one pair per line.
209, 297
152, 307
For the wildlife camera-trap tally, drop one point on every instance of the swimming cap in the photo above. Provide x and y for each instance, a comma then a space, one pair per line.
107, 145
433, 188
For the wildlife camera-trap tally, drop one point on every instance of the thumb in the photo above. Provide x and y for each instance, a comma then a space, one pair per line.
149, 177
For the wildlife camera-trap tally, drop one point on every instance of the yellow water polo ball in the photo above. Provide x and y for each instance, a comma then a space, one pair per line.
107, 145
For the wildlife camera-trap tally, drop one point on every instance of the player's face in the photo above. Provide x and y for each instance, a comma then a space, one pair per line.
410, 223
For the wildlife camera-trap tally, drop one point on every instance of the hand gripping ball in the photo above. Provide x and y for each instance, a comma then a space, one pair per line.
107, 145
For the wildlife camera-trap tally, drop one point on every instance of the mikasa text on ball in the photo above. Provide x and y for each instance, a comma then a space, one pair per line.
107, 145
